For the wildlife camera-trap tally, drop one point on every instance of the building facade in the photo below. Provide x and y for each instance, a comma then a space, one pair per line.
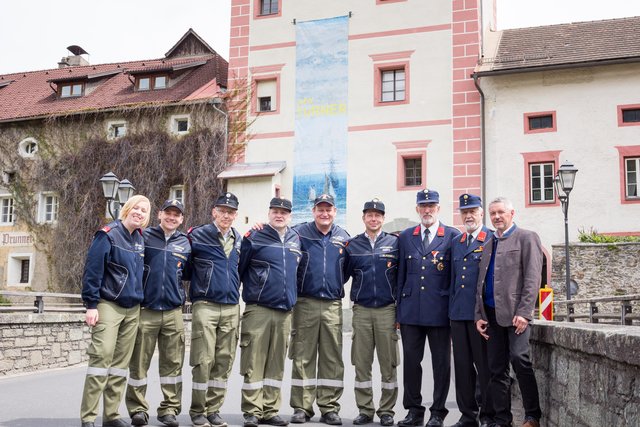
568, 92
158, 122
435, 97
360, 99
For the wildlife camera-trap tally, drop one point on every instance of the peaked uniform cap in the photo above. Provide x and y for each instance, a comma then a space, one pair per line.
468, 201
427, 196
279, 203
374, 205
227, 199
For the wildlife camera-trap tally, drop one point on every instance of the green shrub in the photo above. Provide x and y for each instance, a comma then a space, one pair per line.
592, 236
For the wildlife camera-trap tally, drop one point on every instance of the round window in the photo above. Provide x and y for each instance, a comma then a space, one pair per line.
28, 147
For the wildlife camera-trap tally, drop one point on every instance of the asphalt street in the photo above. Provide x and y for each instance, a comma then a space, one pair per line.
52, 398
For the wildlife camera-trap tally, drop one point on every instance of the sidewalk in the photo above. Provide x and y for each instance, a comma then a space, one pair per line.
52, 398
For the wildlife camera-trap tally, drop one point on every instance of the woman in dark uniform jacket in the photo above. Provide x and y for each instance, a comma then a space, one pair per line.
112, 292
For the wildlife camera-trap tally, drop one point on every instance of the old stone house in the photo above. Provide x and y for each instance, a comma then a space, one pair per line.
160, 123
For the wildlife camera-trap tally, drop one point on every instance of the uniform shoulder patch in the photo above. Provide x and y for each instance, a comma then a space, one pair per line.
481, 236
416, 231
106, 229
247, 234
440, 231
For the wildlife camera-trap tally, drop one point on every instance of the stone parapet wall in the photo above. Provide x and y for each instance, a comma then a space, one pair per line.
32, 342
599, 270
588, 375
29, 342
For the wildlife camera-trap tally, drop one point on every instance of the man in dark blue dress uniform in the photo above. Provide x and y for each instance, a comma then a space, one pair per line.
469, 349
424, 276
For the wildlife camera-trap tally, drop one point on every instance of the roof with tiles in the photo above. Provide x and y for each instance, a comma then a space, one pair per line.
107, 86
566, 45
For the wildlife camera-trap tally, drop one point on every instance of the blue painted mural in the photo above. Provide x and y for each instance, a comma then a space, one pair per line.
320, 153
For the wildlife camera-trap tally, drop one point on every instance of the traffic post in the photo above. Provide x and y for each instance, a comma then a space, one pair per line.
546, 303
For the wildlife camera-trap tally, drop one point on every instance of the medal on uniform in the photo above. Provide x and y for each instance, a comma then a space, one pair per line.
440, 266
434, 254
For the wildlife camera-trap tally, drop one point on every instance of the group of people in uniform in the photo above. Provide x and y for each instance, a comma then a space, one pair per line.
431, 282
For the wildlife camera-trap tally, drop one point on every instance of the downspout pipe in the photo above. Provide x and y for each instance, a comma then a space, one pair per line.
483, 145
214, 103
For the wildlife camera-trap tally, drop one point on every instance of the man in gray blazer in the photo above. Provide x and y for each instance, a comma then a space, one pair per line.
508, 284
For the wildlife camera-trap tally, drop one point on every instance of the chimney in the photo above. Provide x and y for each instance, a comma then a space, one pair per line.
74, 60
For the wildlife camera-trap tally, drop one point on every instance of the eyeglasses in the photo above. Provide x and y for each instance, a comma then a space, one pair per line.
226, 212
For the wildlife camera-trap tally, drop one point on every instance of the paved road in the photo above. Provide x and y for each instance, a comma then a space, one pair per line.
52, 398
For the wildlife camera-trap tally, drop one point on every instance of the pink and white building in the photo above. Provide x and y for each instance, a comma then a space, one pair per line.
437, 98
419, 129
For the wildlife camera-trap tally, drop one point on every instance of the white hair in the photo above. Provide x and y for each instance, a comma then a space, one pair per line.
506, 202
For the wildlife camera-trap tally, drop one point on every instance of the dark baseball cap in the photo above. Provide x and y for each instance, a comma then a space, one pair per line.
324, 198
173, 203
279, 203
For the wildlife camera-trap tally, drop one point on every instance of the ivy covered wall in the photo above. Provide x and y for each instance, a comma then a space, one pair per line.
74, 151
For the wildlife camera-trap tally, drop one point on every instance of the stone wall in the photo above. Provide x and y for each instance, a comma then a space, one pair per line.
599, 270
29, 342
588, 375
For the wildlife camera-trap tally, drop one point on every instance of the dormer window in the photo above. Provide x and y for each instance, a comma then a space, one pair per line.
69, 87
160, 82
68, 90
152, 82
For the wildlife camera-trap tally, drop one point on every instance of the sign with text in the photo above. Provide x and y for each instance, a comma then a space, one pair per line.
15, 239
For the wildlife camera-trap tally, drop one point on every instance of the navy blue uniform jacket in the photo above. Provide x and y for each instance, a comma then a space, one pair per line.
114, 267
268, 268
164, 264
466, 263
374, 270
424, 277
214, 277
321, 270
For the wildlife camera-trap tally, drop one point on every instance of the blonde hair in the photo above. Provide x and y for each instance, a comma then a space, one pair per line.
130, 205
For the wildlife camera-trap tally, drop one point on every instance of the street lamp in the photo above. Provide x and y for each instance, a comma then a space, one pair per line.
564, 181
116, 192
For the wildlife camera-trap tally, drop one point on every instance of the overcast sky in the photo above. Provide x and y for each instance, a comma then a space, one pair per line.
35, 33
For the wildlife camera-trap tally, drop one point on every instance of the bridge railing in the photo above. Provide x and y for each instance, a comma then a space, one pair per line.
610, 309
20, 302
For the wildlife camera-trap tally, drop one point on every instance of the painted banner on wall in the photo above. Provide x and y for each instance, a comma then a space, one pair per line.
320, 153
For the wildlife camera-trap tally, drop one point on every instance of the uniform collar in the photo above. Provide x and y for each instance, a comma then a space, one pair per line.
225, 235
433, 230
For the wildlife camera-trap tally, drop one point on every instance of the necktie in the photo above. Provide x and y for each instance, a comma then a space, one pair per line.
425, 240
469, 239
